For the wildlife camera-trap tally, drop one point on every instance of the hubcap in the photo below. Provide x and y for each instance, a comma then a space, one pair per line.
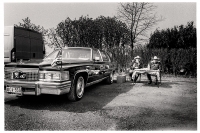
80, 87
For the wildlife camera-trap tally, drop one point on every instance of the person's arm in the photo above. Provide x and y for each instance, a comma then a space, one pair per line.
148, 67
134, 65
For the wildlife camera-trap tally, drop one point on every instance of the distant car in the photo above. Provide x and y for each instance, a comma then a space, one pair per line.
64, 71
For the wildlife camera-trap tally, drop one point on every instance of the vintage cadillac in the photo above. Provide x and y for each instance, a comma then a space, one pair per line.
64, 71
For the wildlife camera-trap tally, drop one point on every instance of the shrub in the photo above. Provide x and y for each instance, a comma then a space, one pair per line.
172, 60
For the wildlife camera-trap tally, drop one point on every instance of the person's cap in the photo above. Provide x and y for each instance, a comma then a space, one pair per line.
155, 58
137, 57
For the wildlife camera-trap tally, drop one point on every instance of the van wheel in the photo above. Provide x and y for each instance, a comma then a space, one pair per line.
77, 89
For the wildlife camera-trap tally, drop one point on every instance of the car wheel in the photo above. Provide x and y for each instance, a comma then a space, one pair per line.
77, 89
109, 80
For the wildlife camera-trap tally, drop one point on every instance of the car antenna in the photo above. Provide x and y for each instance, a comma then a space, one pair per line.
61, 56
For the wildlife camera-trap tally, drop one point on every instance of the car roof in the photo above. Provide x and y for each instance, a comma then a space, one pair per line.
74, 48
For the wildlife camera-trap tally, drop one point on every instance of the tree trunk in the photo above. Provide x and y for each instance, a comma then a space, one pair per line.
174, 71
131, 49
132, 42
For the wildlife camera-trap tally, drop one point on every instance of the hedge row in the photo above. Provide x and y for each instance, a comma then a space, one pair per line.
174, 61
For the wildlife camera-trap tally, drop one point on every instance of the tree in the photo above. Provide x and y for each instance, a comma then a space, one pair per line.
53, 39
102, 32
84, 32
176, 37
139, 17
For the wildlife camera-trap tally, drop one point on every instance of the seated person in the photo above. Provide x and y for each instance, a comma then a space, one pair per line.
136, 64
154, 65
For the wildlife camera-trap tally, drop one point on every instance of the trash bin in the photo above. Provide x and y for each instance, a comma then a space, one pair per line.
121, 78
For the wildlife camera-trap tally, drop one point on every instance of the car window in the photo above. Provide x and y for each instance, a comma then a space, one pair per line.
76, 53
96, 54
104, 56
71, 53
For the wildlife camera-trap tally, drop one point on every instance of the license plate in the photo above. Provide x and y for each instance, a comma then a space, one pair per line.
13, 89
19, 75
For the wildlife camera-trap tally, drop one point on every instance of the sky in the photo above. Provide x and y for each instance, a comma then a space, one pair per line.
49, 15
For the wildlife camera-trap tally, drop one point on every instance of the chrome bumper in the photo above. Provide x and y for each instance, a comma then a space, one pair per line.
40, 87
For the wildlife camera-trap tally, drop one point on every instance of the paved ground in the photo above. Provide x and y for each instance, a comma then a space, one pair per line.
173, 106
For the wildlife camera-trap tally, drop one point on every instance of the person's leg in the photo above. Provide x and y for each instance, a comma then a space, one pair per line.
136, 77
157, 78
133, 75
130, 74
149, 78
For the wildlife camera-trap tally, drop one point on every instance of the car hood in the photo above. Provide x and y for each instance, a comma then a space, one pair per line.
36, 63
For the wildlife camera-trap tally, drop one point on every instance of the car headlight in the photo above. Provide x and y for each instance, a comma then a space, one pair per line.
41, 75
54, 76
48, 76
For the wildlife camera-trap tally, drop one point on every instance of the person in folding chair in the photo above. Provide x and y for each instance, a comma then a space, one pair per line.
154, 64
136, 64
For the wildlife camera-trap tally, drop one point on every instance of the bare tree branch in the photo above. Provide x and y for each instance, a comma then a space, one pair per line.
139, 17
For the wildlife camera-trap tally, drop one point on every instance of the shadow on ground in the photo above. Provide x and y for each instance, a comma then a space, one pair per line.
163, 84
95, 98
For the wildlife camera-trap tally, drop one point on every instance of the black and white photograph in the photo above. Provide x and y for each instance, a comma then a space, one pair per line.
99, 66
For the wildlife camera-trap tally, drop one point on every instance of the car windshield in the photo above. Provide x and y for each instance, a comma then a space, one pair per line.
52, 55
71, 53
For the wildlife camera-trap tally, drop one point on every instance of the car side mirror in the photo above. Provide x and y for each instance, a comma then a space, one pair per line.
96, 59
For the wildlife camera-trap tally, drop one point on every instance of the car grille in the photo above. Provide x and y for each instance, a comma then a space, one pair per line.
7, 75
30, 76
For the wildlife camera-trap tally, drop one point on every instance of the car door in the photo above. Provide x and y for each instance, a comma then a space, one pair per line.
94, 70
107, 67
